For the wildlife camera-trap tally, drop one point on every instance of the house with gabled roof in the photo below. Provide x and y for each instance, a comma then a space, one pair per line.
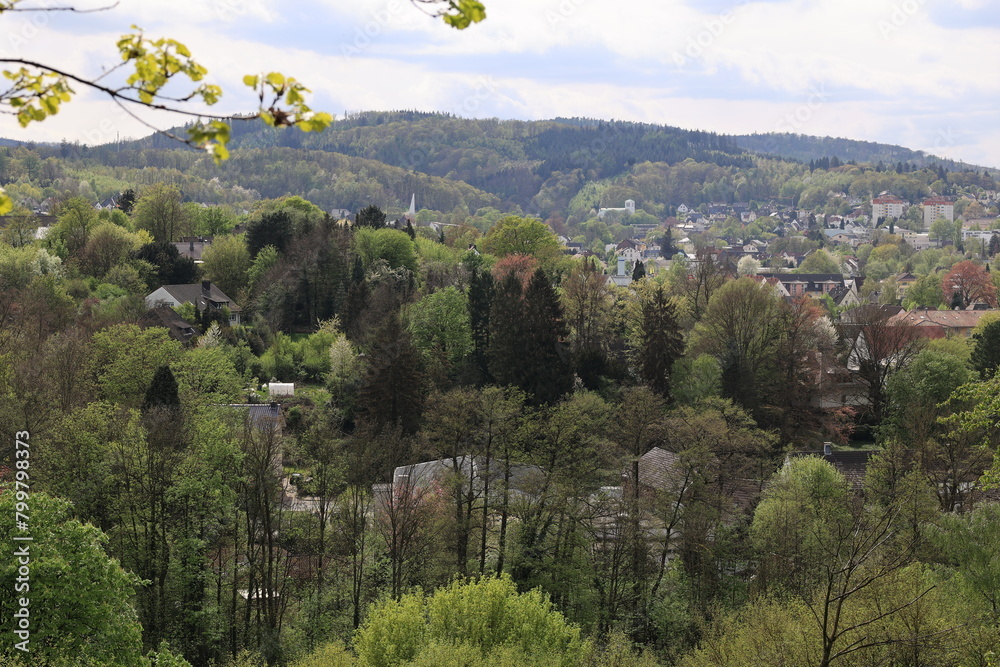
205, 297
167, 318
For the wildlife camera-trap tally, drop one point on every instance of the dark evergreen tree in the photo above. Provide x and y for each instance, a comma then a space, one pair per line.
480, 298
985, 356
994, 247
126, 201
667, 248
639, 272
412, 233
275, 228
171, 268
660, 341
392, 389
162, 391
526, 338
892, 225
370, 216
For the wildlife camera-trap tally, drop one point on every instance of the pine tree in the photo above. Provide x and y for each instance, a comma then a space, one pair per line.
985, 356
480, 297
370, 216
659, 342
162, 391
527, 331
639, 272
392, 390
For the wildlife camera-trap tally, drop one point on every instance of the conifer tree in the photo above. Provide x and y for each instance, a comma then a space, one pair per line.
480, 296
658, 342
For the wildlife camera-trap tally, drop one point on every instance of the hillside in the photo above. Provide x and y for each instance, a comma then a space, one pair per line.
805, 148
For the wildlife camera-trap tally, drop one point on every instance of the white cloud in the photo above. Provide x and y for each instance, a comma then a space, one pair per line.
884, 70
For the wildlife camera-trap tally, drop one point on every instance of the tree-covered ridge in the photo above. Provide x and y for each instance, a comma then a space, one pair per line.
805, 148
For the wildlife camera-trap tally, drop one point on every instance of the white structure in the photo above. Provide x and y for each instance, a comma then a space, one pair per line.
887, 206
280, 389
938, 207
629, 208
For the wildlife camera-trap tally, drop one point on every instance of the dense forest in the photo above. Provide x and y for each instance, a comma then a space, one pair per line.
493, 455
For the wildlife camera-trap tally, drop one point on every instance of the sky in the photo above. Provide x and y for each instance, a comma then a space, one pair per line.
918, 73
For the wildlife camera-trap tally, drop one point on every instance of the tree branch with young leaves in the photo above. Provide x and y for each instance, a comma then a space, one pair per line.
38, 90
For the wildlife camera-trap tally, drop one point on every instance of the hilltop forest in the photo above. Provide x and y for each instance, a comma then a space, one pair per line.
494, 454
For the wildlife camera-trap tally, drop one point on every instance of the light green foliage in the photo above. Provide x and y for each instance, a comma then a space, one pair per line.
489, 615
19, 266
971, 545
226, 262
926, 291
439, 324
305, 359
77, 218
696, 378
392, 245
803, 508
79, 596
160, 212
513, 235
929, 379
265, 260
330, 655
819, 261
125, 358
205, 375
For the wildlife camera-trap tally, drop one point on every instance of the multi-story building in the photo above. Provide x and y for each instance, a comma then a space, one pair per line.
887, 206
938, 207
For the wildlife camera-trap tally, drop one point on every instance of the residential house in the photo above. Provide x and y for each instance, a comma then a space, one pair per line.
193, 247
904, 281
630, 250
941, 323
808, 284
206, 297
167, 318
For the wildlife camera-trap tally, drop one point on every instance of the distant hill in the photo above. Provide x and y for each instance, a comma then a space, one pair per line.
805, 148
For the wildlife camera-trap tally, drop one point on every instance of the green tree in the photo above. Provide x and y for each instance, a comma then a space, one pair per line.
125, 360
79, 597
514, 235
160, 212
391, 245
488, 615
742, 328
925, 292
273, 228
986, 352
818, 261
226, 263
526, 334
657, 342
439, 324
77, 219
371, 216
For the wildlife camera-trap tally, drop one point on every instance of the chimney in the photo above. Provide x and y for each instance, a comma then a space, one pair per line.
621, 266
206, 287
827, 448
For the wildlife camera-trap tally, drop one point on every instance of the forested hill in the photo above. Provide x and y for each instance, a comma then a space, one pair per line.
805, 148
511, 159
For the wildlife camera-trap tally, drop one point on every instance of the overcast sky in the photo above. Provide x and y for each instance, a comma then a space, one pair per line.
920, 73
